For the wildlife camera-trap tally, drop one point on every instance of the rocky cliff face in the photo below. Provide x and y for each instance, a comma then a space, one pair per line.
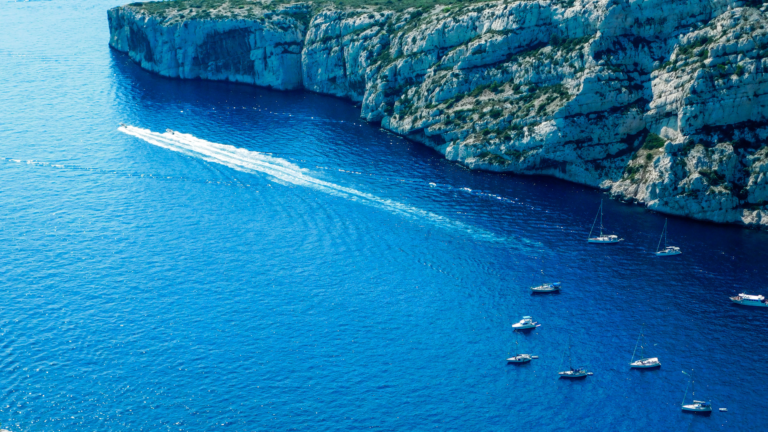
663, 103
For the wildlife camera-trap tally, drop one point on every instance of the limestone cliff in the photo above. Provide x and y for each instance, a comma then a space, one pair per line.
663, 103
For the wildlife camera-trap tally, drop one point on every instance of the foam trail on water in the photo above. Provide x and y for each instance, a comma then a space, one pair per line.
284, 171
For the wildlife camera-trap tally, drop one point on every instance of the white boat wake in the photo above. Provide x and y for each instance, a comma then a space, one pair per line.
283, 171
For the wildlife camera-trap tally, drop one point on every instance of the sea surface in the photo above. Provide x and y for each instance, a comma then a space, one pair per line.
278, 264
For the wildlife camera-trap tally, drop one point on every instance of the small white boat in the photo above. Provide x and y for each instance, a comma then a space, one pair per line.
750, 300
643, 362
699, 407
605, 239
646, 363
573, 373
520, 358
723, 409
546, 288
525, 324
602, 238
668, 250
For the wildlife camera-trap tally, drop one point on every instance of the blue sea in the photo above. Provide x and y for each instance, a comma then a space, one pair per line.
275, 263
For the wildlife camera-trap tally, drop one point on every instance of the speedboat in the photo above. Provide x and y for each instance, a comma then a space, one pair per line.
646, 363
602, 238
547, 288
525, 324
698, 407
750, 300
575, 373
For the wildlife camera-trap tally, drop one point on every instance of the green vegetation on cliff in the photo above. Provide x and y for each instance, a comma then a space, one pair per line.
226, 7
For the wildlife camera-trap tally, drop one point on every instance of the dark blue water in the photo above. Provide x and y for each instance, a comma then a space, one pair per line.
327, 285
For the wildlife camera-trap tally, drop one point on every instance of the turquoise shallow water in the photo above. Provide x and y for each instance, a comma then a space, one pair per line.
281, 265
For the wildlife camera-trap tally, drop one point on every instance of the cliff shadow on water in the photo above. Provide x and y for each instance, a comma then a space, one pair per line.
664, 104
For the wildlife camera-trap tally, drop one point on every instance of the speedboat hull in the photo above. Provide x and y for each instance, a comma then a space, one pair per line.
648, 363
526, 323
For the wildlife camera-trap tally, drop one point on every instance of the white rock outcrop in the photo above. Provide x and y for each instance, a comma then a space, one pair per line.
663, 103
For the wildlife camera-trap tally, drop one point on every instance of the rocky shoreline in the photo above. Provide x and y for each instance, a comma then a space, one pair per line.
662, 103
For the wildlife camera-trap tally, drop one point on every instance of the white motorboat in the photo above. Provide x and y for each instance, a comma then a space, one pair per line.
546, 288
668, 250
750, 300
525, 324
700, 407
643, 362
573, 373
602, 238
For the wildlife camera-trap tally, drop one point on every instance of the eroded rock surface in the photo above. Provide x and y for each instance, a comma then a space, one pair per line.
663, 103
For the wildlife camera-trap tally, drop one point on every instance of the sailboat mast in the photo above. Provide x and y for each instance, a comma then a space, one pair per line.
595, 221
601, 218
693, 386
570, 363
686, 391
517, 344
636, 343
663, 236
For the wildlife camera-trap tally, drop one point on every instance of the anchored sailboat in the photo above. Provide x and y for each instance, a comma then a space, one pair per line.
668, 250
602, 238
520, 358
573, 373
546, 287
697, 406
643, 362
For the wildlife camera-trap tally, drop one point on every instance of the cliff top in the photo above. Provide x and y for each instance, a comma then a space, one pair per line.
244, 8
